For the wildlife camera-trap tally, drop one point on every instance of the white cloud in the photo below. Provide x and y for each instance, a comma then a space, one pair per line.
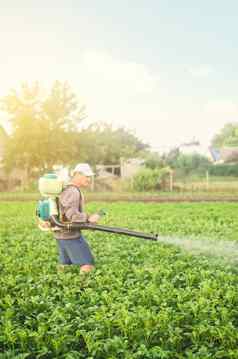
200, 71
122, 76
121, 92
221, 108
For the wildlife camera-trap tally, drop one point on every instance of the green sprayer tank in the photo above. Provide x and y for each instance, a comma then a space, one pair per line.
50, 186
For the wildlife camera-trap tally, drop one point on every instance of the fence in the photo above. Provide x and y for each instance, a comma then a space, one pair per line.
204, 183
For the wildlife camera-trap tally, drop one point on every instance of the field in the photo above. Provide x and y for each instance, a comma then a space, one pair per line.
145, 300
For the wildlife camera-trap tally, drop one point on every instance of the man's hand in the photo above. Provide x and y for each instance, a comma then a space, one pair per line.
93, 218
44, 225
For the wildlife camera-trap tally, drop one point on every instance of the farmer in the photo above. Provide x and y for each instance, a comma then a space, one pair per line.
73, 248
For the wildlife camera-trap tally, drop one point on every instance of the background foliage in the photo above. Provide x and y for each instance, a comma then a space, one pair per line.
47, 129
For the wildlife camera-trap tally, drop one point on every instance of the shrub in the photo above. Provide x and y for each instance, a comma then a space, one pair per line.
150, 180
224, 170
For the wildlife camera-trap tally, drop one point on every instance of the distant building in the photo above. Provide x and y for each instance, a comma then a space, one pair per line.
131, 166
108, 171
127, 168
224, 154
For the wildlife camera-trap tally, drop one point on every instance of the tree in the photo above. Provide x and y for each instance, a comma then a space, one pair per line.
101, 144
148, 179
186, 163
41, 126
45, 131
228, 136
192, 163
153, 160
3, 141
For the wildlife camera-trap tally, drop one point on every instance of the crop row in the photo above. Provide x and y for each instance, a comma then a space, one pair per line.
144, 300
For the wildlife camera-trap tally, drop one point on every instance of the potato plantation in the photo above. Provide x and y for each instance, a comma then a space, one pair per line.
144, 300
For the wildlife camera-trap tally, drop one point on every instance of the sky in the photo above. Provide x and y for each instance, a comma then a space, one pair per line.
165, 69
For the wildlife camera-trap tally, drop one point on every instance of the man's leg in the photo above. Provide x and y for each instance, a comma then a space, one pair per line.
64, 259
85, 268
79, 253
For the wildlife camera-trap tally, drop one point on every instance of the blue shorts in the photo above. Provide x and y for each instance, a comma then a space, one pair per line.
74, 251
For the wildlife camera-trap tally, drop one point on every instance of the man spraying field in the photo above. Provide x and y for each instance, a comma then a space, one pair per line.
73, 248
65, 206
62, 212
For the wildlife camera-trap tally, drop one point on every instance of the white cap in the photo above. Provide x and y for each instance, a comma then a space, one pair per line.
84, 169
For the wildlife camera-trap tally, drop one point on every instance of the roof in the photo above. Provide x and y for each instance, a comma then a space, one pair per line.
215, 153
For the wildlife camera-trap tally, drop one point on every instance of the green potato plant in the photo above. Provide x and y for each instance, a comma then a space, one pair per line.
144, 299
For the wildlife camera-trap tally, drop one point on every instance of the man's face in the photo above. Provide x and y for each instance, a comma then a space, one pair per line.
81, 180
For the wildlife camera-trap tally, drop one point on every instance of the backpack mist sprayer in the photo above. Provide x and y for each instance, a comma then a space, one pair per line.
48, 212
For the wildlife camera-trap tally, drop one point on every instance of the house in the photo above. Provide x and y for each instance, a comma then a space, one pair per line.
224, 154
131, 166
